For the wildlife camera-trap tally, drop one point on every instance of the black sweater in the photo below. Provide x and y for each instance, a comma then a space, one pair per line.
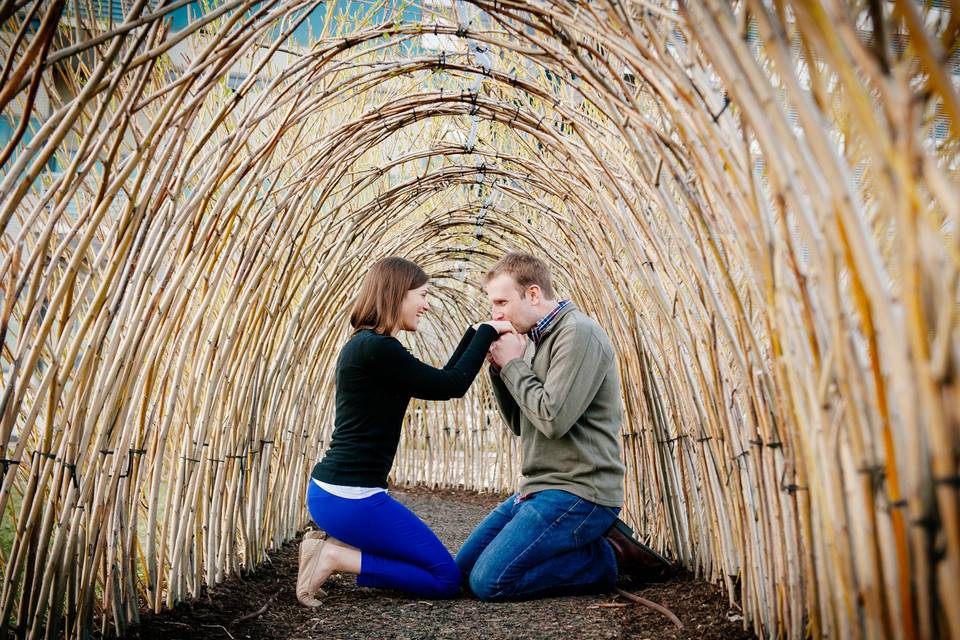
376, 377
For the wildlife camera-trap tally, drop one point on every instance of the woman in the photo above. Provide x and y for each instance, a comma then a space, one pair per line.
369, 533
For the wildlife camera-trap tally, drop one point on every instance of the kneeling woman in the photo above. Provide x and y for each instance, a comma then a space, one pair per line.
369, 533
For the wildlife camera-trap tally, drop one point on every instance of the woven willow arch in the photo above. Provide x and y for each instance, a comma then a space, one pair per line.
758, 200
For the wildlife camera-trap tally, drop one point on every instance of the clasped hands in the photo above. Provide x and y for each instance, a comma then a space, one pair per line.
509, 346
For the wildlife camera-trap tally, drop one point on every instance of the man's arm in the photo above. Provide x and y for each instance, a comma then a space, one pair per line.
508, 406
578, 365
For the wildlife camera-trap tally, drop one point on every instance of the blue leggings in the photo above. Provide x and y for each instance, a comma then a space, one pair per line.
397, 549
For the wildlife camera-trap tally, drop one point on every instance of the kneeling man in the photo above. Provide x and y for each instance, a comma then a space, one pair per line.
559, 391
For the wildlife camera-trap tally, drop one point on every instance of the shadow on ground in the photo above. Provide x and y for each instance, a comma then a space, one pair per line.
351, 612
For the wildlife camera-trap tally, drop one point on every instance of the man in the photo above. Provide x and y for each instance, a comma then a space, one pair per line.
559, 391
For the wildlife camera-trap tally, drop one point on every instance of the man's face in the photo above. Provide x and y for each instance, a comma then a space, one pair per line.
507, 303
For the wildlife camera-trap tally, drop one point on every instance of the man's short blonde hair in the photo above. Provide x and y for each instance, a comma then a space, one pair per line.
526, 269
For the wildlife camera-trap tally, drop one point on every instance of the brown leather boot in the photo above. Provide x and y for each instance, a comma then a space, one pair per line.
307, 584
635, 559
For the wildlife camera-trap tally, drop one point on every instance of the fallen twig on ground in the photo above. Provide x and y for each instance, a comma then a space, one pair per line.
652, 605
258, 612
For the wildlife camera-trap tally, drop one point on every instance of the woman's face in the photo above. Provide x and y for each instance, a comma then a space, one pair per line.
413, 306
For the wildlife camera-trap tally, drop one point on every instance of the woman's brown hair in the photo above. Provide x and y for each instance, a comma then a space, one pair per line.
378, 304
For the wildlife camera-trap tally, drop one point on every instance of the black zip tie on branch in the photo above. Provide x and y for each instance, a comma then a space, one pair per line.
726, 103
928, 522
72, 468
130, 454
672, 440
950, 481
7, 463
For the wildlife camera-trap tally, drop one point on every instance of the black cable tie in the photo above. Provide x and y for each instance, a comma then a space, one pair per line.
672, 440
898, 504
872, 470
72, 468
758, 442
237, 457
704, 438
950, 481
106, 452
130, 454
726, 103
215, 460
190, 459
793, 488
266, 441
7, 463
775, 445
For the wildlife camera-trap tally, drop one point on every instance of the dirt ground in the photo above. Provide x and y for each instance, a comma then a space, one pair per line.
354, 612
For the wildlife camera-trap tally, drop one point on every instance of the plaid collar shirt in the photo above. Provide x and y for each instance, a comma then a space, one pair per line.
540, 329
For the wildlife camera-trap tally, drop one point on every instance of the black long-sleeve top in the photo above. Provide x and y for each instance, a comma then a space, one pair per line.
376, 377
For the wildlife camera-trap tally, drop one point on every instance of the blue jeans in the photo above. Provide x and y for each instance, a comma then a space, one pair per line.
397, 549
545, 543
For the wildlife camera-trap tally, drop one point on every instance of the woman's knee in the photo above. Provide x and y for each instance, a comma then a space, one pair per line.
447, 581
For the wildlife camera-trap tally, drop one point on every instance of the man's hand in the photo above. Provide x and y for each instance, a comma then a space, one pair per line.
508, 346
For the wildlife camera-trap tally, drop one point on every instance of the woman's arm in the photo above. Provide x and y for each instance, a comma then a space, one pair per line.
458, 352
414, 378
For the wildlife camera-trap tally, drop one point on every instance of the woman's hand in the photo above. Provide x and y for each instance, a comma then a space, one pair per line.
502, 326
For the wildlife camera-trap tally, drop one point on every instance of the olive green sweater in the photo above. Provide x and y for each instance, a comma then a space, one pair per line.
563, 399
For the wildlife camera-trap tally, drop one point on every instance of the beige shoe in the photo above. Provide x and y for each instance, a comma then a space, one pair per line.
307, 586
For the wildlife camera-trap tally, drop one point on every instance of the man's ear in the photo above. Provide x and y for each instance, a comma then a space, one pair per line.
535, 294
